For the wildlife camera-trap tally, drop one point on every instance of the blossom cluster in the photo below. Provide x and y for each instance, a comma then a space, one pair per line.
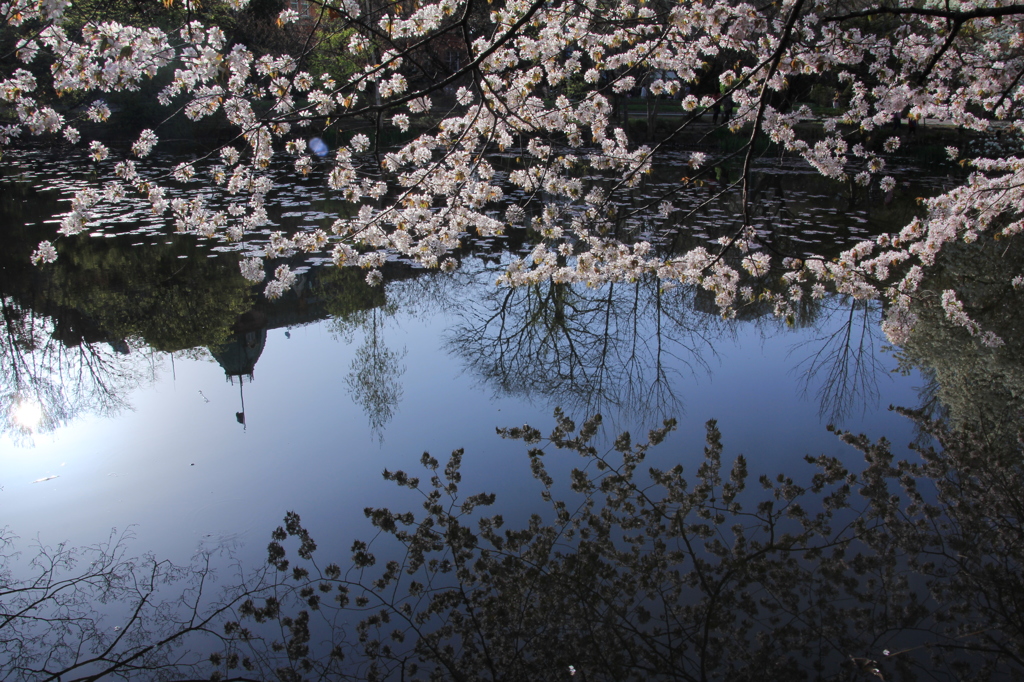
960, 65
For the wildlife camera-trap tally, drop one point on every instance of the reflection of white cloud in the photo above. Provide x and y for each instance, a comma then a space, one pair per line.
27, 414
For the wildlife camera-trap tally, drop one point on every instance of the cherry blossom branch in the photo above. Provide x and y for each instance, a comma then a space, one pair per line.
978, 13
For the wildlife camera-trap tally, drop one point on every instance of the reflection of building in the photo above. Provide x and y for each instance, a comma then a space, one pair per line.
317, 295
322, 293
238, 356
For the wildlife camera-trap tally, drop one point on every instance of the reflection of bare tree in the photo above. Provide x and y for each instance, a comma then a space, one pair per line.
375, 375
843, 365
434, 293
614, 350
45, 383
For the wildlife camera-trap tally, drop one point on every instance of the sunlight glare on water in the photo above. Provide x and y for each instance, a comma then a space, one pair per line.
27, 414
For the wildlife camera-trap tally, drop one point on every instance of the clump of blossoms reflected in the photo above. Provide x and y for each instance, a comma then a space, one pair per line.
544, 78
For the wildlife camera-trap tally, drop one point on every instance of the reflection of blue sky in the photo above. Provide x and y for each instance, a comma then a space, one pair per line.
307, 447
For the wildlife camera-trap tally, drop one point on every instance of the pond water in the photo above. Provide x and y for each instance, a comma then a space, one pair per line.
174, 399
178, 400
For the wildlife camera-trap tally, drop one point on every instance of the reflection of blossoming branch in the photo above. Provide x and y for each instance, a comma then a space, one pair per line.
643, 573
635, 572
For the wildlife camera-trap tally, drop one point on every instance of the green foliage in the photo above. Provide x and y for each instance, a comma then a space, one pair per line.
972, 384
825, 96
332, 56
172, 303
